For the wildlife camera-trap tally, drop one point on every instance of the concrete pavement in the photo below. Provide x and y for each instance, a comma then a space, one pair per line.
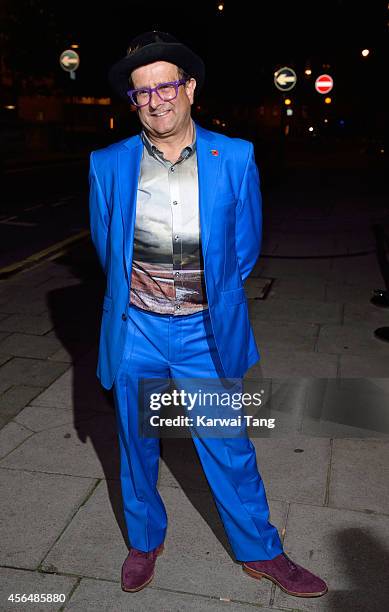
325, 465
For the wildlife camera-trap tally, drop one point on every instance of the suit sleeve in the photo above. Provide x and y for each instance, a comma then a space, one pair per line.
98, 215
248, 234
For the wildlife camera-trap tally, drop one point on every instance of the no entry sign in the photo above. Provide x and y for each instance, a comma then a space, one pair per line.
324, 83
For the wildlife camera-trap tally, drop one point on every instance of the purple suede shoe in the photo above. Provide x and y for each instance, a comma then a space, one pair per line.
138, 568
290, 577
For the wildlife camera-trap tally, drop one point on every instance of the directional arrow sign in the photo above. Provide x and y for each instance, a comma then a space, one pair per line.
324, 83
69, 60
285, 79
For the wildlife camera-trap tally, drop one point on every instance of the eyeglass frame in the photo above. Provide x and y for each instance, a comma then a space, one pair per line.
150, 90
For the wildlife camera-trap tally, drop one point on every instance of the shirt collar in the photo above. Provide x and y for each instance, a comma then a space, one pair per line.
155, 152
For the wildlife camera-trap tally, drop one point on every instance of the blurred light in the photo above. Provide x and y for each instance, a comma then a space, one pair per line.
341, 122
328, 100
220, 6
325, 120
10, 107
287, 129
198, 107
287, 101
308, 71
289, 112
310, 129
223, 125
74, 46
88, 100
382, 150
365, 52
111, 123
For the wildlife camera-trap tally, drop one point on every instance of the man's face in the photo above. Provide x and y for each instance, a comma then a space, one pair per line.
160, 118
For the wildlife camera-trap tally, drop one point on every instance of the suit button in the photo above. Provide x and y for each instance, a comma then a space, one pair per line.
124, 317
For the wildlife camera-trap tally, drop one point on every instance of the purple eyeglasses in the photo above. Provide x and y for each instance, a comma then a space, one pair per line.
165, 91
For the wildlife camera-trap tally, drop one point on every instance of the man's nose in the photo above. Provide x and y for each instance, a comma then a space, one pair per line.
155, 100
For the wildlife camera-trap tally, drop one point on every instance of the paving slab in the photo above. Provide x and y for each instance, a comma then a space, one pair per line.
354, 402
29, 345
195, 560
291, 364
347, 294
35, 508
365, 314
284, 267
350, 550
27, 324
4, 358
358, 366
299, 288
35, 305
3, 336
28, 582
294, 468
30, 372
94, 595
59, 450
359, 271
93, 543
282, 334
357, 340
360, 475
77, 387
39, 418
15, 398
288, 309
11, 435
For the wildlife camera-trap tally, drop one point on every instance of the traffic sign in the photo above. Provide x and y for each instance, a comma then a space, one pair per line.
324, 83
69, 60
285, 79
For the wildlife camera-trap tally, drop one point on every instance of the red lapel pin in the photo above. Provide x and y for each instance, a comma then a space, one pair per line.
215, 152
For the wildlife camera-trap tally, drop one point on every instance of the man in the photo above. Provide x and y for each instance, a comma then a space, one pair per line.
175, 216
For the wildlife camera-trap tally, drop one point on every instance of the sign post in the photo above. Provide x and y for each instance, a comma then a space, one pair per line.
69, 61
324, 83
285, 79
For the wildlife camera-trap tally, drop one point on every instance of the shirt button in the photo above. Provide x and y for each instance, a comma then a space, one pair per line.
172, 169
177, 274
175, 202
124, 317
176, 237
178, 307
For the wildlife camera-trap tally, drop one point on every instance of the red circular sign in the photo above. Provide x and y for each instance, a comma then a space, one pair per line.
324, 83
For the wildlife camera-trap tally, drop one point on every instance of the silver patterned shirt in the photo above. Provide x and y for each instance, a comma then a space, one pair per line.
167, 271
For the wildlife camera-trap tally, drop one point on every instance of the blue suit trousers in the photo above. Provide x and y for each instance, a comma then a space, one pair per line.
165, 346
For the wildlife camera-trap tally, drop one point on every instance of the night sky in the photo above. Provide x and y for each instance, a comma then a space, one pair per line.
240, 48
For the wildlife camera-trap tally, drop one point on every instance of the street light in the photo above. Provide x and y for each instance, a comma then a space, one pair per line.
308, 71
365, 52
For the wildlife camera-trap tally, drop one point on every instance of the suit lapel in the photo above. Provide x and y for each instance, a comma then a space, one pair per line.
129, 160
208, 163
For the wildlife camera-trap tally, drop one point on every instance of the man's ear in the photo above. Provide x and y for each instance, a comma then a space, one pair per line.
190, 88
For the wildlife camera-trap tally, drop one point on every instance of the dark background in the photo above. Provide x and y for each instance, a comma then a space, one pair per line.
242, 46
50, 123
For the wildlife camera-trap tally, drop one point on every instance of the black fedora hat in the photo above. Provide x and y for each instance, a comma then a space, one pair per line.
153, 47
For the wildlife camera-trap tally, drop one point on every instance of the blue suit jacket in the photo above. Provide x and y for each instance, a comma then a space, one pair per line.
231, 229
